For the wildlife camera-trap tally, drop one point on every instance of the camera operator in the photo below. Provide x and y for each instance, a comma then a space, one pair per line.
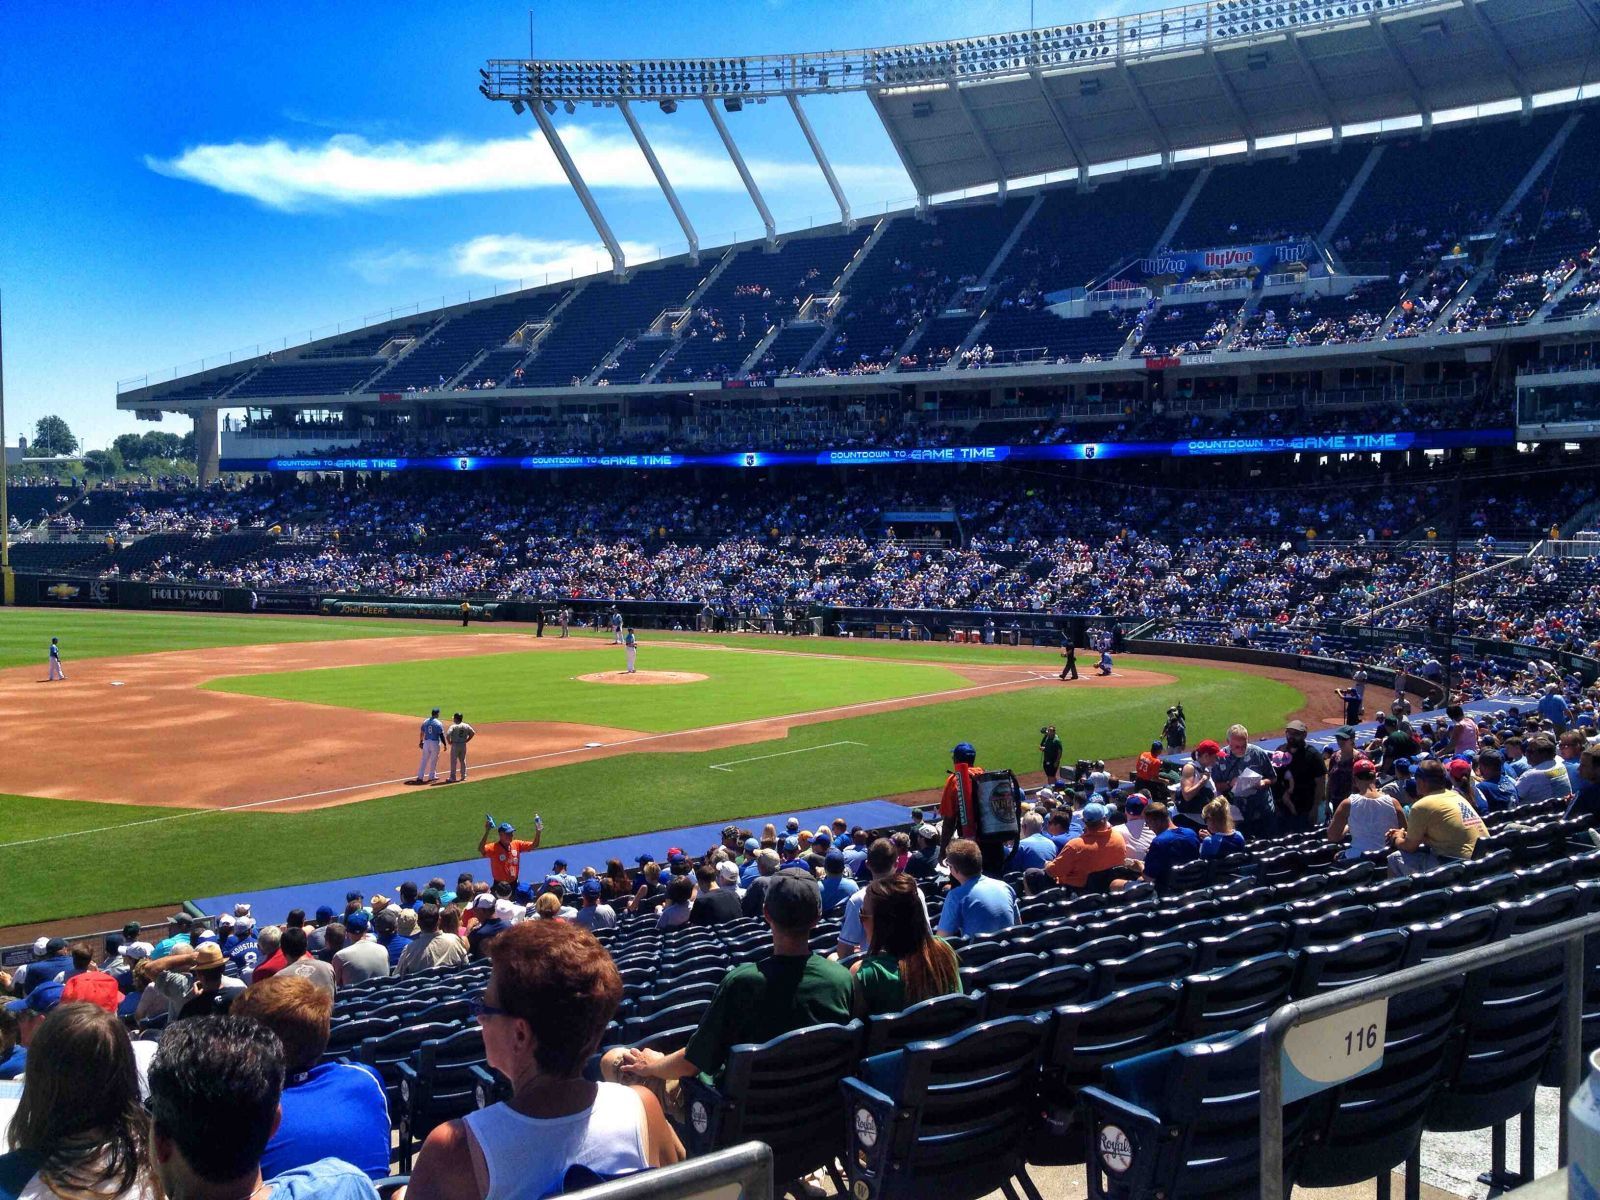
1175, 731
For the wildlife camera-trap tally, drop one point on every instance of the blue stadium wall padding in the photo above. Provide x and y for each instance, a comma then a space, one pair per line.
270, 905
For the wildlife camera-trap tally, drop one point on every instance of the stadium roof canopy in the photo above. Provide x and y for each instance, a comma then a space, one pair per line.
1078, 98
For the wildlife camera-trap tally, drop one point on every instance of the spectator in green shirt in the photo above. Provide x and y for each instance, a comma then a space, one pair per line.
757, 1001
904, 963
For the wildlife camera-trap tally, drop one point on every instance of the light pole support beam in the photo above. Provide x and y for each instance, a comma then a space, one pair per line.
732, 148
1407, 75
1513, 71
649, 153
1226, 84
1318, 88
822, 160
1149, 115
912, 173
585, 197
1059, 116
983, 141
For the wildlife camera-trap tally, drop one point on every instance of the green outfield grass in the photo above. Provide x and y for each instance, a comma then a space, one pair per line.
138, 857
540, 686
25, 633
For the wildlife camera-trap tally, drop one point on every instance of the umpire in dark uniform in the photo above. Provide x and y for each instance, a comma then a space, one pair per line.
1069, 669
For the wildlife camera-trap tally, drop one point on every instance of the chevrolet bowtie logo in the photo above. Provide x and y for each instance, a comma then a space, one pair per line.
63, 591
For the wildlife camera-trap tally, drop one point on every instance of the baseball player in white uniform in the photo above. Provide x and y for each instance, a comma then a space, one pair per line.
632, 645
430, 742
55, 661
616, 626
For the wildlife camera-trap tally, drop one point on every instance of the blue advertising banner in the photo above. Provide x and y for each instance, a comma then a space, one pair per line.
1330, 443
1265, 257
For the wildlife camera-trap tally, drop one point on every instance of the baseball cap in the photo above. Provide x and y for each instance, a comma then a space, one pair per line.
134, 951
507, 827
1155, 746
751, 844
729, 831
181, 918
676, 856
357, 922
1133, 804
349, 896
244, 924
225, 921
591, 887
1403, 764
1459, 768
1364, 766
792, 824
208, 957
54, 947
1208, 747
832, 859
133, 929
794, 900
1095, 813
241, 909
93, 987
1345, 733
504, 910
1296, 727
560, 864
40, 946
823, 838
40, 1000
644, 858
728, 872
928, 832
484, 901
205, 936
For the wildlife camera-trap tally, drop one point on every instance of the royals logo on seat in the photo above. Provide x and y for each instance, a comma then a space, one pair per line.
1116, 1152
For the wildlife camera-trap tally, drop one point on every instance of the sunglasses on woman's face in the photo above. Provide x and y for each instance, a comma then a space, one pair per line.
478, 1008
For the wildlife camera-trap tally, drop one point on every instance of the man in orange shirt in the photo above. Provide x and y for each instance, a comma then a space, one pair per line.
1099, 848
1148, 772
958, 809
505, 853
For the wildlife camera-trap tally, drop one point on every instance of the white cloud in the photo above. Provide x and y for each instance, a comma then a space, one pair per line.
512, 257
380, 266
350, 169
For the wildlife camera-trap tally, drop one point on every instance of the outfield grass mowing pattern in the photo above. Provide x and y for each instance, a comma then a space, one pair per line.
542, 686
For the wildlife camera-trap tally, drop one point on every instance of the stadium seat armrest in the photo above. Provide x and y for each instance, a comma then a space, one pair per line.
489, 1086
873, 1125
1121, 1141
704, 1109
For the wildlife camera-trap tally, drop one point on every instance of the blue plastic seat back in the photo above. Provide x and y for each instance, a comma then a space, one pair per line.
929, 1019
1008, 969
1242, 942
1355, 960
1452, 934
1171, 960
1227, 1001
1064, 984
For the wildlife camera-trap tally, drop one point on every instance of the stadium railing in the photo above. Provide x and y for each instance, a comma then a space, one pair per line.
1568, 936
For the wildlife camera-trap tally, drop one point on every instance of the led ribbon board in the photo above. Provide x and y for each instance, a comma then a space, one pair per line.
1332, 443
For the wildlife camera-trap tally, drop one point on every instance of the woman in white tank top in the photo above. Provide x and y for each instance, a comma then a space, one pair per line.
1367, 814
552, 992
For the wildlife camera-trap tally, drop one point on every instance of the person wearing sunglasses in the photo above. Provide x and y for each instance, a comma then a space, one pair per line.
552, 991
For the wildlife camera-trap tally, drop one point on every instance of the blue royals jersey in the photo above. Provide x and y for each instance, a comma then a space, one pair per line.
433, 730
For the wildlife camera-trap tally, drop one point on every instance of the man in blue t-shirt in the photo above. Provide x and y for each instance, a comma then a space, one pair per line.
1554, 708
978, 903
330, 1110
1495, 791
1172, 845
180, 928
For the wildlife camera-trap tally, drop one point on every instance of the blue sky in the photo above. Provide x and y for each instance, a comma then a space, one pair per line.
185, 180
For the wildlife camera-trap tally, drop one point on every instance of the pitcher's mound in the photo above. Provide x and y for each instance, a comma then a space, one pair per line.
641, 677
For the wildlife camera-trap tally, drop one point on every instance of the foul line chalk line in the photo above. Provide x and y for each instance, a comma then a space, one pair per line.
780, 754
508, 762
